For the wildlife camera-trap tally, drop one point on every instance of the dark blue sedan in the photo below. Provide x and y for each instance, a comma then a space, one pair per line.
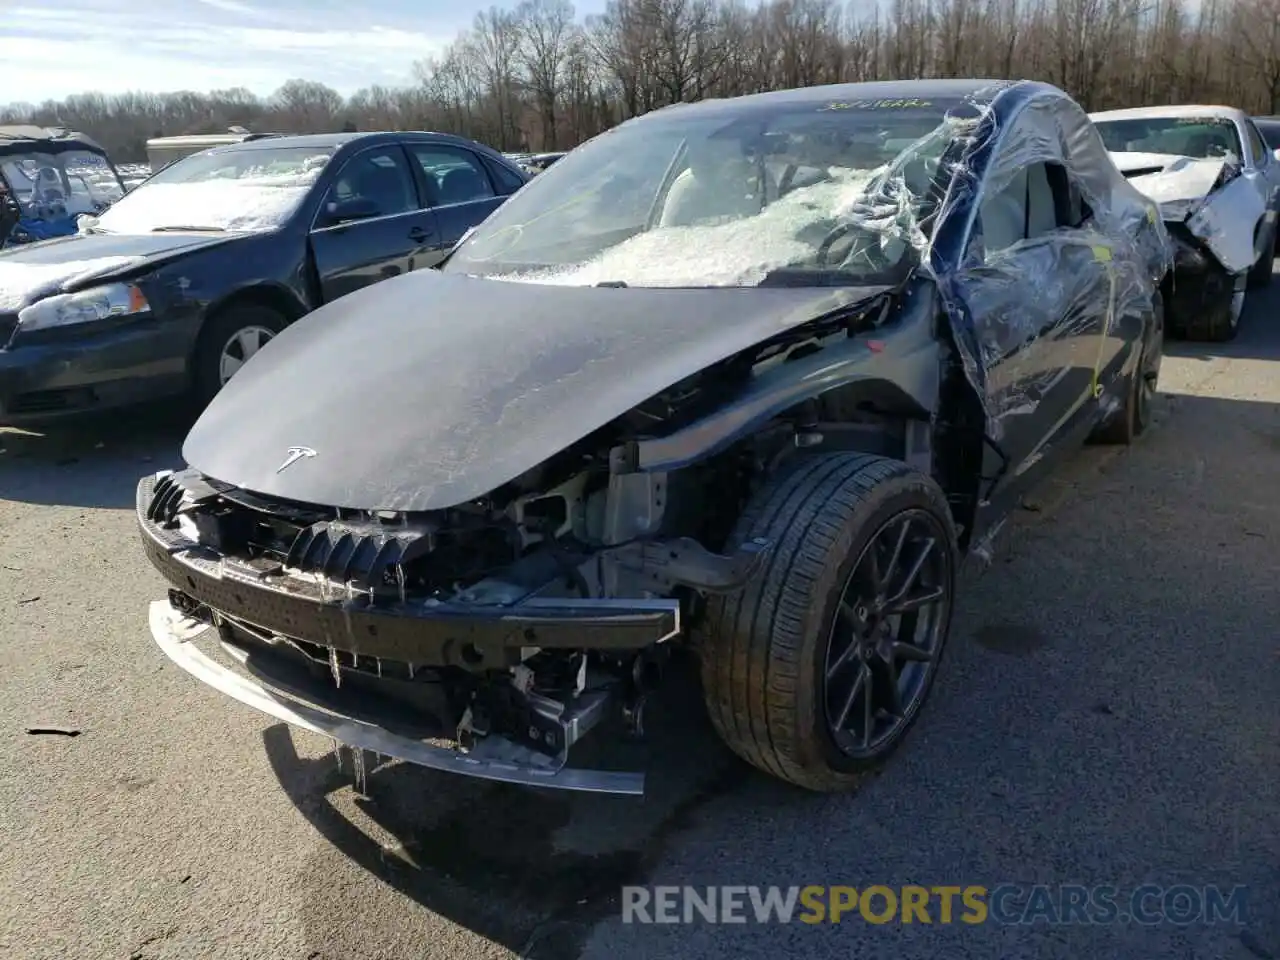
174, 287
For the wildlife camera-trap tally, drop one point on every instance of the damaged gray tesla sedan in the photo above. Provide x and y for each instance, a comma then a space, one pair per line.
741, 378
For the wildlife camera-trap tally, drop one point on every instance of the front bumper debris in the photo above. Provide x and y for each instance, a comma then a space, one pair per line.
471, 636
492, 758
362, 665
1200, 284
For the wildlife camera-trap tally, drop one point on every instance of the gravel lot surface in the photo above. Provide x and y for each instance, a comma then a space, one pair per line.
1109, 713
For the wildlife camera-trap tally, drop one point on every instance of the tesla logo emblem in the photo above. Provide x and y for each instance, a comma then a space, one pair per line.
295, 454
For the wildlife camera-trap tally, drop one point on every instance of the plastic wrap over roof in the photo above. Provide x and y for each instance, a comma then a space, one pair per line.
1004, 286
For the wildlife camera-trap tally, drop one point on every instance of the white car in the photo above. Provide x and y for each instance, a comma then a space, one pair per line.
1218, 188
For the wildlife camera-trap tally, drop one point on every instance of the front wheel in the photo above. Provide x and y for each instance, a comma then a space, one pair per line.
228, 342
815, 671
1220, 321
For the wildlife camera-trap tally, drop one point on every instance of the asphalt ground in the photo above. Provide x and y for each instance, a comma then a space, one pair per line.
1107, 715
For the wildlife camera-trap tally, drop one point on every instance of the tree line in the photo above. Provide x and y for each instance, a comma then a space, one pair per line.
540, 78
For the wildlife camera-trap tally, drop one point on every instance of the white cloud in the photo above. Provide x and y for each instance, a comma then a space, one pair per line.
234, 6
113, 47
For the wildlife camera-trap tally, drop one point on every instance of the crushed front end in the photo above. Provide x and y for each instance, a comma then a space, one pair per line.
1199, 290
1214, 216
484, 640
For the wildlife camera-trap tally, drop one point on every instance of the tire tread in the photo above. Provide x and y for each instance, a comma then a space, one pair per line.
756, 638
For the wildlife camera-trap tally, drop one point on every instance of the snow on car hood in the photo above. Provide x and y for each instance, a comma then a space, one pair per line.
32, 271
430, 389
24, 283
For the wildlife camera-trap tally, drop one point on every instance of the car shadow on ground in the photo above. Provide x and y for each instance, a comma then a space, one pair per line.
1256, 339
1033, 717
498, 859
93, 462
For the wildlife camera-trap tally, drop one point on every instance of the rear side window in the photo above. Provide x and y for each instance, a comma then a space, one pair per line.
453, 175
1039, 199
506, 178
1270, 130
1257, 146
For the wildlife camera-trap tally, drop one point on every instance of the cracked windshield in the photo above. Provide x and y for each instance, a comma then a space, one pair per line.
832, 194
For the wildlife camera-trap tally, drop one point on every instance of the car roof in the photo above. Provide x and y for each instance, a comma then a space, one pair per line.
27, 133
1189, 110
332, 141
870, 90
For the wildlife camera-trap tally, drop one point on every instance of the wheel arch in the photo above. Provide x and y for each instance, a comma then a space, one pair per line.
903, 389
271, 296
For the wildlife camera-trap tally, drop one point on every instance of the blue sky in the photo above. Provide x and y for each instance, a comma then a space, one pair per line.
52, 48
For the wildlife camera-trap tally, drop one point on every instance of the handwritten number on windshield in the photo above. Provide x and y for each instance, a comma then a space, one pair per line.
876, 104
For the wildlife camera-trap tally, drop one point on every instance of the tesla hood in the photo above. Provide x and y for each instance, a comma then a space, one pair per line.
432, 389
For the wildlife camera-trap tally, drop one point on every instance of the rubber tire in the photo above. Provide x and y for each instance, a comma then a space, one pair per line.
1264, 270
1131, 421
217, 331
762, 649
1216, 326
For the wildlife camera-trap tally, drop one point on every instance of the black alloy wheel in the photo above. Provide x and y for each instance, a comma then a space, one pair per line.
887, 634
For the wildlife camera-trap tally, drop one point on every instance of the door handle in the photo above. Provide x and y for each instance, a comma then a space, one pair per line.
419, 234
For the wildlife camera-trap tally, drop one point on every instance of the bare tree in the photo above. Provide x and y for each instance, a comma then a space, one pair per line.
537, 78
547, 35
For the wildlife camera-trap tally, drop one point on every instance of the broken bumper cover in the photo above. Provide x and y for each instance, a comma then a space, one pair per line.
177, 634
215, 591
439, 635
1201, 284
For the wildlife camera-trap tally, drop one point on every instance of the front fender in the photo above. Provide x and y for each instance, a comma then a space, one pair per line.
1228, 221
899, 367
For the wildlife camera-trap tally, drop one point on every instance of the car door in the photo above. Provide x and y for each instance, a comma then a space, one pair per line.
1040, 296
371, 225
458, 189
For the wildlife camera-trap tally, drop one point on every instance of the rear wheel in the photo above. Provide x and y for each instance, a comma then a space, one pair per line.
1130, 421
815, 671
228, 342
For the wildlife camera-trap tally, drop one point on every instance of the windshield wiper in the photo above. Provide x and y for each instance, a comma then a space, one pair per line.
799, 277
184, 228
